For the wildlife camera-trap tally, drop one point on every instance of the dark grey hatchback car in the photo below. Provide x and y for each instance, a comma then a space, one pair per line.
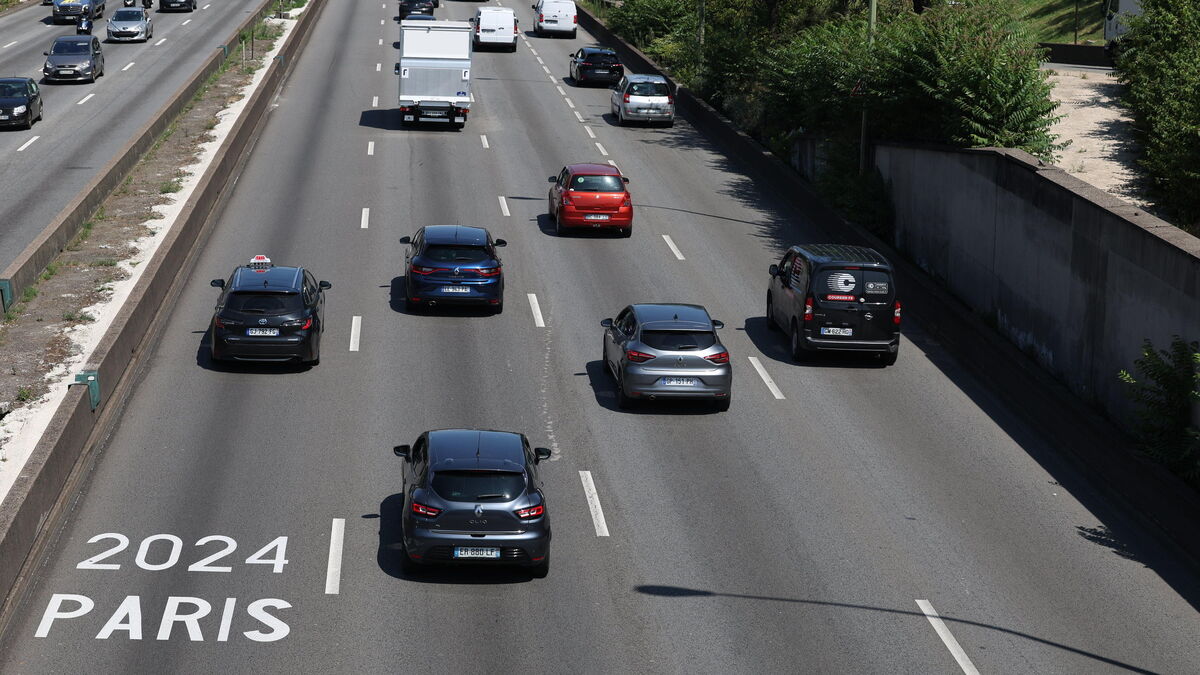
474, 496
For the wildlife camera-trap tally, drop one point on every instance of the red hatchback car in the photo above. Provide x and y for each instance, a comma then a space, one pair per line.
590, 196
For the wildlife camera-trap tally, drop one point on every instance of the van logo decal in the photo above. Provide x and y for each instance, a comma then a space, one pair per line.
842, 282
877, 287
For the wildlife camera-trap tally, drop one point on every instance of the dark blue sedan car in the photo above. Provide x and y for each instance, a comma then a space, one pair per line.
453, 264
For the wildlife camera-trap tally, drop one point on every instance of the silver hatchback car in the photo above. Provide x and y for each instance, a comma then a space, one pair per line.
667, 351
643, 98
130, 24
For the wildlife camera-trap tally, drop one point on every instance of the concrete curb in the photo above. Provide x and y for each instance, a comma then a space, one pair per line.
1093, 444
28, 510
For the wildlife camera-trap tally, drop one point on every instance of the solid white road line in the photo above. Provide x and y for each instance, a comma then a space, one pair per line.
947, 637
127, 66
593, 500
766, 378
674, 249
9, 45
503, 206
355, 332
186, 22
570, 102
366, 217
590, 133
28, 143
378, 67
160, 41
370, 148
85, 99
601, 149
483, 139
374, 101
578, 116
333, 572
537, 311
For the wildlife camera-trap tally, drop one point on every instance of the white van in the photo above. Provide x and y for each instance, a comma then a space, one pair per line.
555, 16
495, 26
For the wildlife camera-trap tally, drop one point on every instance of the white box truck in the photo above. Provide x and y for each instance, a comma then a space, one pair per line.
435, 72
1115, 15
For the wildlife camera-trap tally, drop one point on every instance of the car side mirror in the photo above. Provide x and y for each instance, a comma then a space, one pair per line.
499, 243
406, 240
540, 453
624, 179
396, 69
773, 270
45, 53
718, 324
401, 451
607, 323
324, 285
217, 283
471, 20
552, 179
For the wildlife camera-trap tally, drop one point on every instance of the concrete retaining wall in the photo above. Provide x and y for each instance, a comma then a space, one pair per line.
1075, 277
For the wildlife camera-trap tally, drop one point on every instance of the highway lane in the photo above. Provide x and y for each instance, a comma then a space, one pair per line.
44, 168
785, 535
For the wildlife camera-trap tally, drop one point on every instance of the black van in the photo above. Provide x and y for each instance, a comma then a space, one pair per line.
835, 297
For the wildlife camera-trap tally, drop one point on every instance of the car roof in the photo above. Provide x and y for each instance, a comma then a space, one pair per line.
455, 234
825, 254
496, 10
468, 449
74, 38
593, 169
641, 77
669, 316
599, 50
270, 279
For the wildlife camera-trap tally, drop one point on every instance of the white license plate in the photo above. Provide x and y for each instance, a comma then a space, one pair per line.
679, 381
650, 111
455, 289
843, 332
262, 332
476, 552
3, 117
66, 72
595, 216
600, 72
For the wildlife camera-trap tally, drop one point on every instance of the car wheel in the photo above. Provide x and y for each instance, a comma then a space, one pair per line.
624, 401
799, 353
721, 404
669, 123
540, 570
498, 308
771, 325
513, 48
411, 305
620, 118
625, 232
889, 358
408, 566
28, 121
573, 34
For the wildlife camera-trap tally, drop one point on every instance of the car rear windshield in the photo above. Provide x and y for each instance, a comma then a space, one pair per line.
64, 47
457, 254
264, 303
648, 89
848, 285
127, 15
600, 57
678, 340
597, 184
478, 486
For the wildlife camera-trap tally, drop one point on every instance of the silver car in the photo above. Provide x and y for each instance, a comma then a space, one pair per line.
130, 24
659, 351
643, 98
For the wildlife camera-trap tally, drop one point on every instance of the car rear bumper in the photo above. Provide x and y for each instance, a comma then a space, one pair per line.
587, 76
79, 75
556, 27
427, 291
633, 114
825, 344
569, 216
242, 348
432, 547
648, 383
140, 37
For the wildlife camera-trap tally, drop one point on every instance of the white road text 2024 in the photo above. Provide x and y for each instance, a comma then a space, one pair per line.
126, 620
166, 554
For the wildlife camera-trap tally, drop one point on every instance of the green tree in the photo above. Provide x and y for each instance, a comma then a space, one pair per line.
1164, 396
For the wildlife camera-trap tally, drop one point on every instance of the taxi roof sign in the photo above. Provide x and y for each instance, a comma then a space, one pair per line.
260, 262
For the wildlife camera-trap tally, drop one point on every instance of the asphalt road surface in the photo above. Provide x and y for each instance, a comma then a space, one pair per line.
823, 529
85, 125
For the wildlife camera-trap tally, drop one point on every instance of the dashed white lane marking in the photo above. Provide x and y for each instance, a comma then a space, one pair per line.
551, 77
590, 133
472, 95
206, 7
531, 49
483, 139
186, 22
569, 102
614, 165
378, 67
160, 41
374, 101
333, 571
9, 45
674, 249
539, 60
370, 148
947, 637
383, 6
545, 68
503, 206
127, 66
766, 377
366, 217
28, 143
601, 149
537, 311
85, 99
381, 22
593, 500
561, 92
355, 332
380, 42
578, 116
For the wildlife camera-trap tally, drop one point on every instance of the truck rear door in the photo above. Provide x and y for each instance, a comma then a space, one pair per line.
853, 304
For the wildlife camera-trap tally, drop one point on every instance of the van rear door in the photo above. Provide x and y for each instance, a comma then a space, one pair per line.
853, 304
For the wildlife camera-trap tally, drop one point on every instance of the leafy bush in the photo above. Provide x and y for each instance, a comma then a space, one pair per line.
1169, 387
1160, 61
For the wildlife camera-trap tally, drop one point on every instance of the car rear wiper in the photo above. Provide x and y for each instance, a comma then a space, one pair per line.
253, 311
489, 496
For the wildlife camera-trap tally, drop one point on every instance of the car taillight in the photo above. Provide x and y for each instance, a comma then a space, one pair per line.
896, 313
670, 100
531, 512
566, 198
541, 17
421, 269
808, 313
628, 201
625, 98
587, 63
575, 19
477, 29
514, 29
219, 322
721, 358
422, 510
637, 357
489, 271
307, 324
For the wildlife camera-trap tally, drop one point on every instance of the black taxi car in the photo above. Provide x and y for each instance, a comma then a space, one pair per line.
269, 313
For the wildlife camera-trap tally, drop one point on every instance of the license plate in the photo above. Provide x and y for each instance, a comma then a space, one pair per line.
650, 111
489, 30
843, 332
3, 117
455, 289
66, 72
600, 72
476, 552
595, 216
679, 381
433, 114
551, 20
262, 332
